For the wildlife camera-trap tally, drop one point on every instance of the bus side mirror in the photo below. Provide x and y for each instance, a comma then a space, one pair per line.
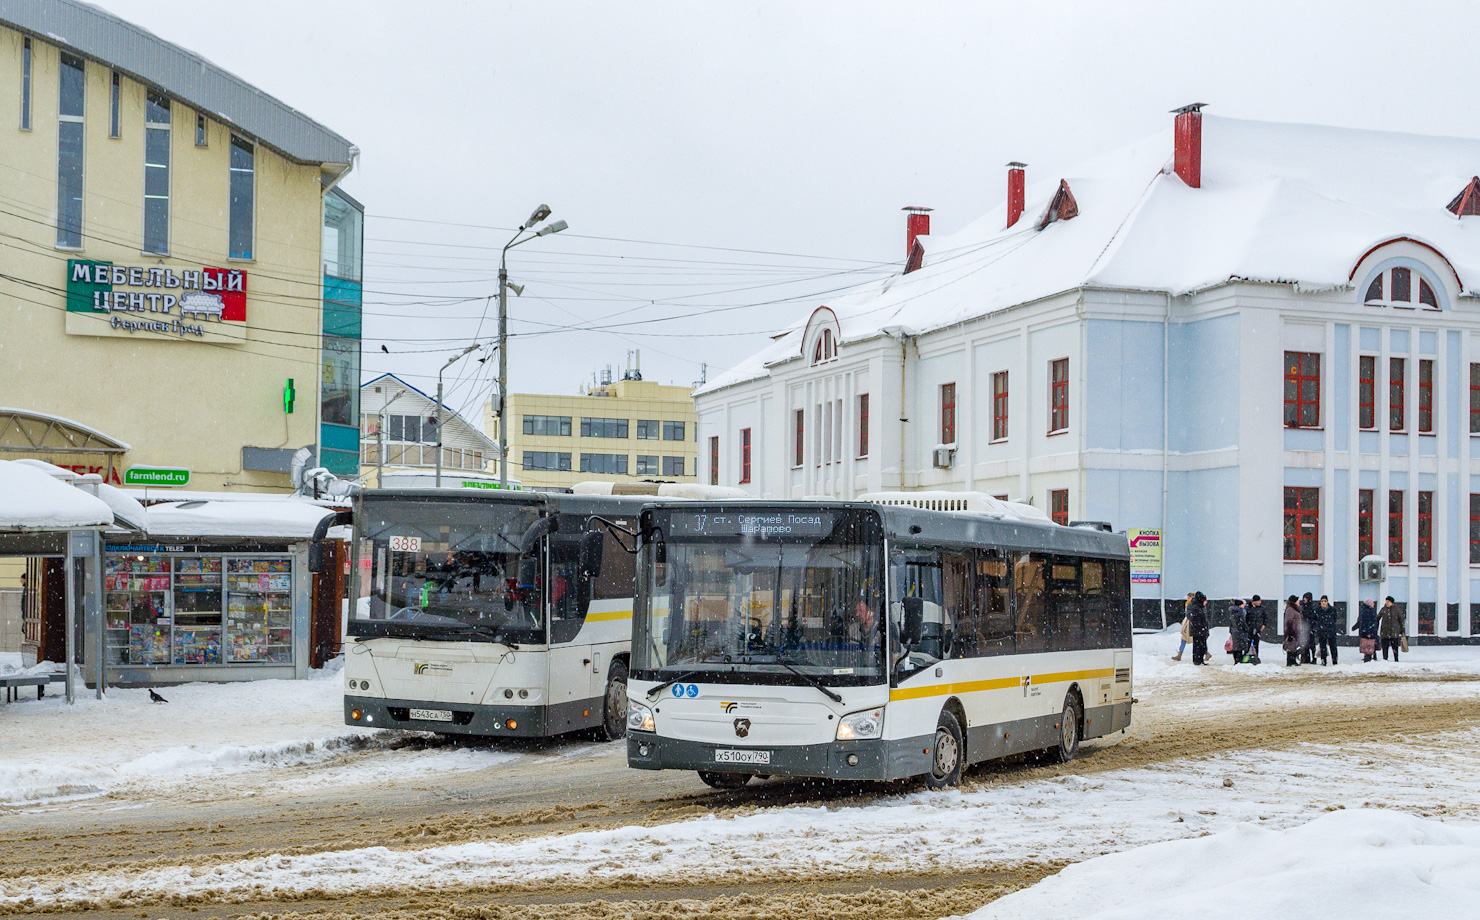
529, 572
591, 554
315, 557
660, 553
914, 620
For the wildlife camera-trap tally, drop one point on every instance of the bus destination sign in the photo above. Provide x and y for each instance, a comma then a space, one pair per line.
763, 524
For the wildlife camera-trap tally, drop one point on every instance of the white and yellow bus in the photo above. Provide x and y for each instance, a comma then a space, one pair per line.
872, 641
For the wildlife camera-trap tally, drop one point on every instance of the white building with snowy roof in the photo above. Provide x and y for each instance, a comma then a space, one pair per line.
1259, 338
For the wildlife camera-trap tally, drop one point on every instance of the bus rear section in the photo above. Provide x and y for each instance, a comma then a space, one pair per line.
502, 615
859, 642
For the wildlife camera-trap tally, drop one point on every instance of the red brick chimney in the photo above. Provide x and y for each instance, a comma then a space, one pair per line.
917, 224
1187, 145
1015, 193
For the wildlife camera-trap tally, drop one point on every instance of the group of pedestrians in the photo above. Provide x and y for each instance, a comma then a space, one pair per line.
1310, 628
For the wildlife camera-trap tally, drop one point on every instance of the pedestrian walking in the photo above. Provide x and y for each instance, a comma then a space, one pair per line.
1325, 629
1308, 614
1391, 625
1296, 632
1367, 630
1255, 616
1186, 631
1197, 624
1238, 631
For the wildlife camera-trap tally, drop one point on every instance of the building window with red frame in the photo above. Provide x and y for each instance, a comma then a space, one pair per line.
1058, 395
1426, 527
714, 461
1302, 389
744, 455
948, 413
1367, 392
1426, 396
1475, 399
1395, 526
1302, 524
1475, 528
1058, 506
1364, 523
1397, 418
863, 424
799, 450
999, 406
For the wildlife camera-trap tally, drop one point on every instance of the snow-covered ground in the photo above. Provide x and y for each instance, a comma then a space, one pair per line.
1354, 864
1280, 800
52, 751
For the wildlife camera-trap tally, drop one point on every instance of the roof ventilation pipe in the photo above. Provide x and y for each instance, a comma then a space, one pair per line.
1187, 144
1016, 194
916, 226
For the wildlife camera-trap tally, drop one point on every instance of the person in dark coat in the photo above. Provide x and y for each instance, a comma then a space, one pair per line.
1391, 625
1296, 632
1308, 614
1256, 618
1238, 631
1197, 620
1325, 629
1367, 630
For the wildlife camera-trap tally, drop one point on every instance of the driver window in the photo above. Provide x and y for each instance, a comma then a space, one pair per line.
918, 574
956, 581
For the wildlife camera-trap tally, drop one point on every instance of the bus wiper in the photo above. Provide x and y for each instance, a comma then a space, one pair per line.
480, 629
668, 683
809, 679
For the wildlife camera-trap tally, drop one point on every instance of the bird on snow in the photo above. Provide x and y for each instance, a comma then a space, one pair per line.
157, 698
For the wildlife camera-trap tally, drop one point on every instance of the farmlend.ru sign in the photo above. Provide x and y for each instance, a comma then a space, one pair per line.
193, 305
156, 476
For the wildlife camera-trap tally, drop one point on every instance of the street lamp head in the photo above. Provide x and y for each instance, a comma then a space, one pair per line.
518, 289
552, 228
540, 213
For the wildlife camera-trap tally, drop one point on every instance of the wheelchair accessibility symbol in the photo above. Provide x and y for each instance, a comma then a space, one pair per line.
688, 690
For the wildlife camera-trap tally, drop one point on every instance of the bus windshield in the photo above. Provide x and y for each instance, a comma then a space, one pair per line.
738, 600
446, 570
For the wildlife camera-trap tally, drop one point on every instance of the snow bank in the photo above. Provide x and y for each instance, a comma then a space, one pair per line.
1366, 863
32, 500
286, 519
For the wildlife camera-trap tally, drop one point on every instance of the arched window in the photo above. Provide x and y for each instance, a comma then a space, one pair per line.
1395, 287
826, 348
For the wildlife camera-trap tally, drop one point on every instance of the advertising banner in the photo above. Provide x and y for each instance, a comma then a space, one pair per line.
152, 301
1145, 556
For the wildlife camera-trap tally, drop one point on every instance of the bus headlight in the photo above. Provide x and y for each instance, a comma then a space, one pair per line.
639, 717
860, 725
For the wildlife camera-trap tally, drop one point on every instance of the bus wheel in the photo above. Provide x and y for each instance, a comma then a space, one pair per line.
1069, 721
724, 780
945, 763
614, 705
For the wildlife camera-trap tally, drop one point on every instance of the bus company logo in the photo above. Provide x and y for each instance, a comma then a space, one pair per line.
742, 728
728, 707
422, 669
731, 707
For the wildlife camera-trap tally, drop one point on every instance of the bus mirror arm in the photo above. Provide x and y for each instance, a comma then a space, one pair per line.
320, 532
617, 531
531, 539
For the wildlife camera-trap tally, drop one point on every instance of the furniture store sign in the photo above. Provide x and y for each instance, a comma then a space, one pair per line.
192, 305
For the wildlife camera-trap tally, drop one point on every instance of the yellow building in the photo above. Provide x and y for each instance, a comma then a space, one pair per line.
181, 287
625, 431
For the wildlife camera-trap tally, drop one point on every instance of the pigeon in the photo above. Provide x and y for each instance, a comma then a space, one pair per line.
157, 698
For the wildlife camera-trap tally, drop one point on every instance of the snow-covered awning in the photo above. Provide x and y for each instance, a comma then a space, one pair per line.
32, 500
282, 519
127, 512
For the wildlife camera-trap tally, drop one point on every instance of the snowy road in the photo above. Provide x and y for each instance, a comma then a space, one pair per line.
377, 827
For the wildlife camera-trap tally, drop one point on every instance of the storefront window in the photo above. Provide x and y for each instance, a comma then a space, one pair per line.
259, 610
341, 380
198, 609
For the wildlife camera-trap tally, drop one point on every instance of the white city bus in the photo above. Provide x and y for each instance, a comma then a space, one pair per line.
869, 641
491, 613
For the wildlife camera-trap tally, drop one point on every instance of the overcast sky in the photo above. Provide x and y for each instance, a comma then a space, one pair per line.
723, 166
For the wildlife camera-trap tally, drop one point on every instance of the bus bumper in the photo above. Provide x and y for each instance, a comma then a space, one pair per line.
856, 760
467, 718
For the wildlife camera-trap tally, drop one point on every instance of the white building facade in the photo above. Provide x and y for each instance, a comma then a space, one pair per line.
1263, 345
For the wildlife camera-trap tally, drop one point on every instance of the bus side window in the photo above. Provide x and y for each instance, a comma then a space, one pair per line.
1027, 595
956, 636
618, 568
1064, 615
1097, 604
991, 624
1118, 577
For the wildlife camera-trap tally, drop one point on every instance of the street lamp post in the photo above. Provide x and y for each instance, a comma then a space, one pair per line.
380, 440
540, 213
450, 362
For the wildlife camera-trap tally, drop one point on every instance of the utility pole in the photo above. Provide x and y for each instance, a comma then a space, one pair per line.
540, 213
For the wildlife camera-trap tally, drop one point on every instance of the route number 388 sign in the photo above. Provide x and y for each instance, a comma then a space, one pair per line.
405, 544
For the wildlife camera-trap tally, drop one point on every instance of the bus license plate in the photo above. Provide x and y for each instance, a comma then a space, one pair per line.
432, 715
729, 755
